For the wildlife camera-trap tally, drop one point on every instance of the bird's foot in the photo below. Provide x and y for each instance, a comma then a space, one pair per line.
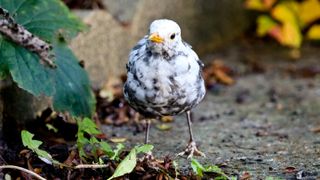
191, 150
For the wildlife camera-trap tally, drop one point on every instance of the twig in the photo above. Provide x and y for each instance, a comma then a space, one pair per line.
91, 166
22, 169
21, 36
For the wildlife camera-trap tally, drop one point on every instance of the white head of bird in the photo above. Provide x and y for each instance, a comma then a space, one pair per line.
164, 36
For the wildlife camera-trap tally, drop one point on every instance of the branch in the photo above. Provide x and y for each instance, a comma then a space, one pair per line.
22, 169
21, 36
90, 166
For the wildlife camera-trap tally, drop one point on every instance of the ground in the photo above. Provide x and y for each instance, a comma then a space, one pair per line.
266, 124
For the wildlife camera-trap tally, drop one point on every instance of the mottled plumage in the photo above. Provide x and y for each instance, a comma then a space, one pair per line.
163, 73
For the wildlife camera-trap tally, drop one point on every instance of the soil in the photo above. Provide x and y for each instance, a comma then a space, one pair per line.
265, 125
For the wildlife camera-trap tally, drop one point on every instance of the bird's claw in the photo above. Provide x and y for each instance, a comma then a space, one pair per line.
191, 150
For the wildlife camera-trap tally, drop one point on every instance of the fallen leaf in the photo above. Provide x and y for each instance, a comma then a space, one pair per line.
245, 176
163, 127
218, 71
167, 118
315, 129
223, 77
118, 140
290, 169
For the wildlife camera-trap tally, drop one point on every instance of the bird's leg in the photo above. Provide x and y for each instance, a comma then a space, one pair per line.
148, 155
191, 149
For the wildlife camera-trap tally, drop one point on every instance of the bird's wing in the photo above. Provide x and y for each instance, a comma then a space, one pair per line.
193, 54
136, 52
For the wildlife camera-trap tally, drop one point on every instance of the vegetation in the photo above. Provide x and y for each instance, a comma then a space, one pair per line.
287, 21
68, 83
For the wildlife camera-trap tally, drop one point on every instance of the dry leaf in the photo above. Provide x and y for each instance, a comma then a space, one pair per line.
118, 140
163, 127
315, 129
167, 118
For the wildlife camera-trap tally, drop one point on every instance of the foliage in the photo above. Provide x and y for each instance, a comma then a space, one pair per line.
27, 140
87, 129
287, 21
68, 84
87, 126
129, 162
199, 170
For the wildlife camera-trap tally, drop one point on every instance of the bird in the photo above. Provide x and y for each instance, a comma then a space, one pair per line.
164, 78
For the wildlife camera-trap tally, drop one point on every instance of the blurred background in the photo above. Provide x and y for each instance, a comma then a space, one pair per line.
262, 74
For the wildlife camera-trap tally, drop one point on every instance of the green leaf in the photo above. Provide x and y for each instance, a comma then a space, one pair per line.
68, 83
106, 148
44, 18
73, 92
88, 126
197, 168
25, 69
117, 152
27, 141
265, 24
127, 164
51, 127
144, 148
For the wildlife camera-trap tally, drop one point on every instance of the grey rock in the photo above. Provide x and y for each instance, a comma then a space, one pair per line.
122, 10
104, 48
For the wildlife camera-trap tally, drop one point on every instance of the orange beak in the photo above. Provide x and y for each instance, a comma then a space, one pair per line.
154, 37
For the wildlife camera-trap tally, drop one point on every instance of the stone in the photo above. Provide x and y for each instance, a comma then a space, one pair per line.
104, 47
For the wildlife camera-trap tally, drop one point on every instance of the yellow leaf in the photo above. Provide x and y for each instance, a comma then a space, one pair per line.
265, 24
314, 32
164, 127
291, 35
309, 11
118, 140
286, 13
255, 5
269, 3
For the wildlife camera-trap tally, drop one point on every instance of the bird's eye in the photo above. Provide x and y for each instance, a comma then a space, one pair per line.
172, 36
